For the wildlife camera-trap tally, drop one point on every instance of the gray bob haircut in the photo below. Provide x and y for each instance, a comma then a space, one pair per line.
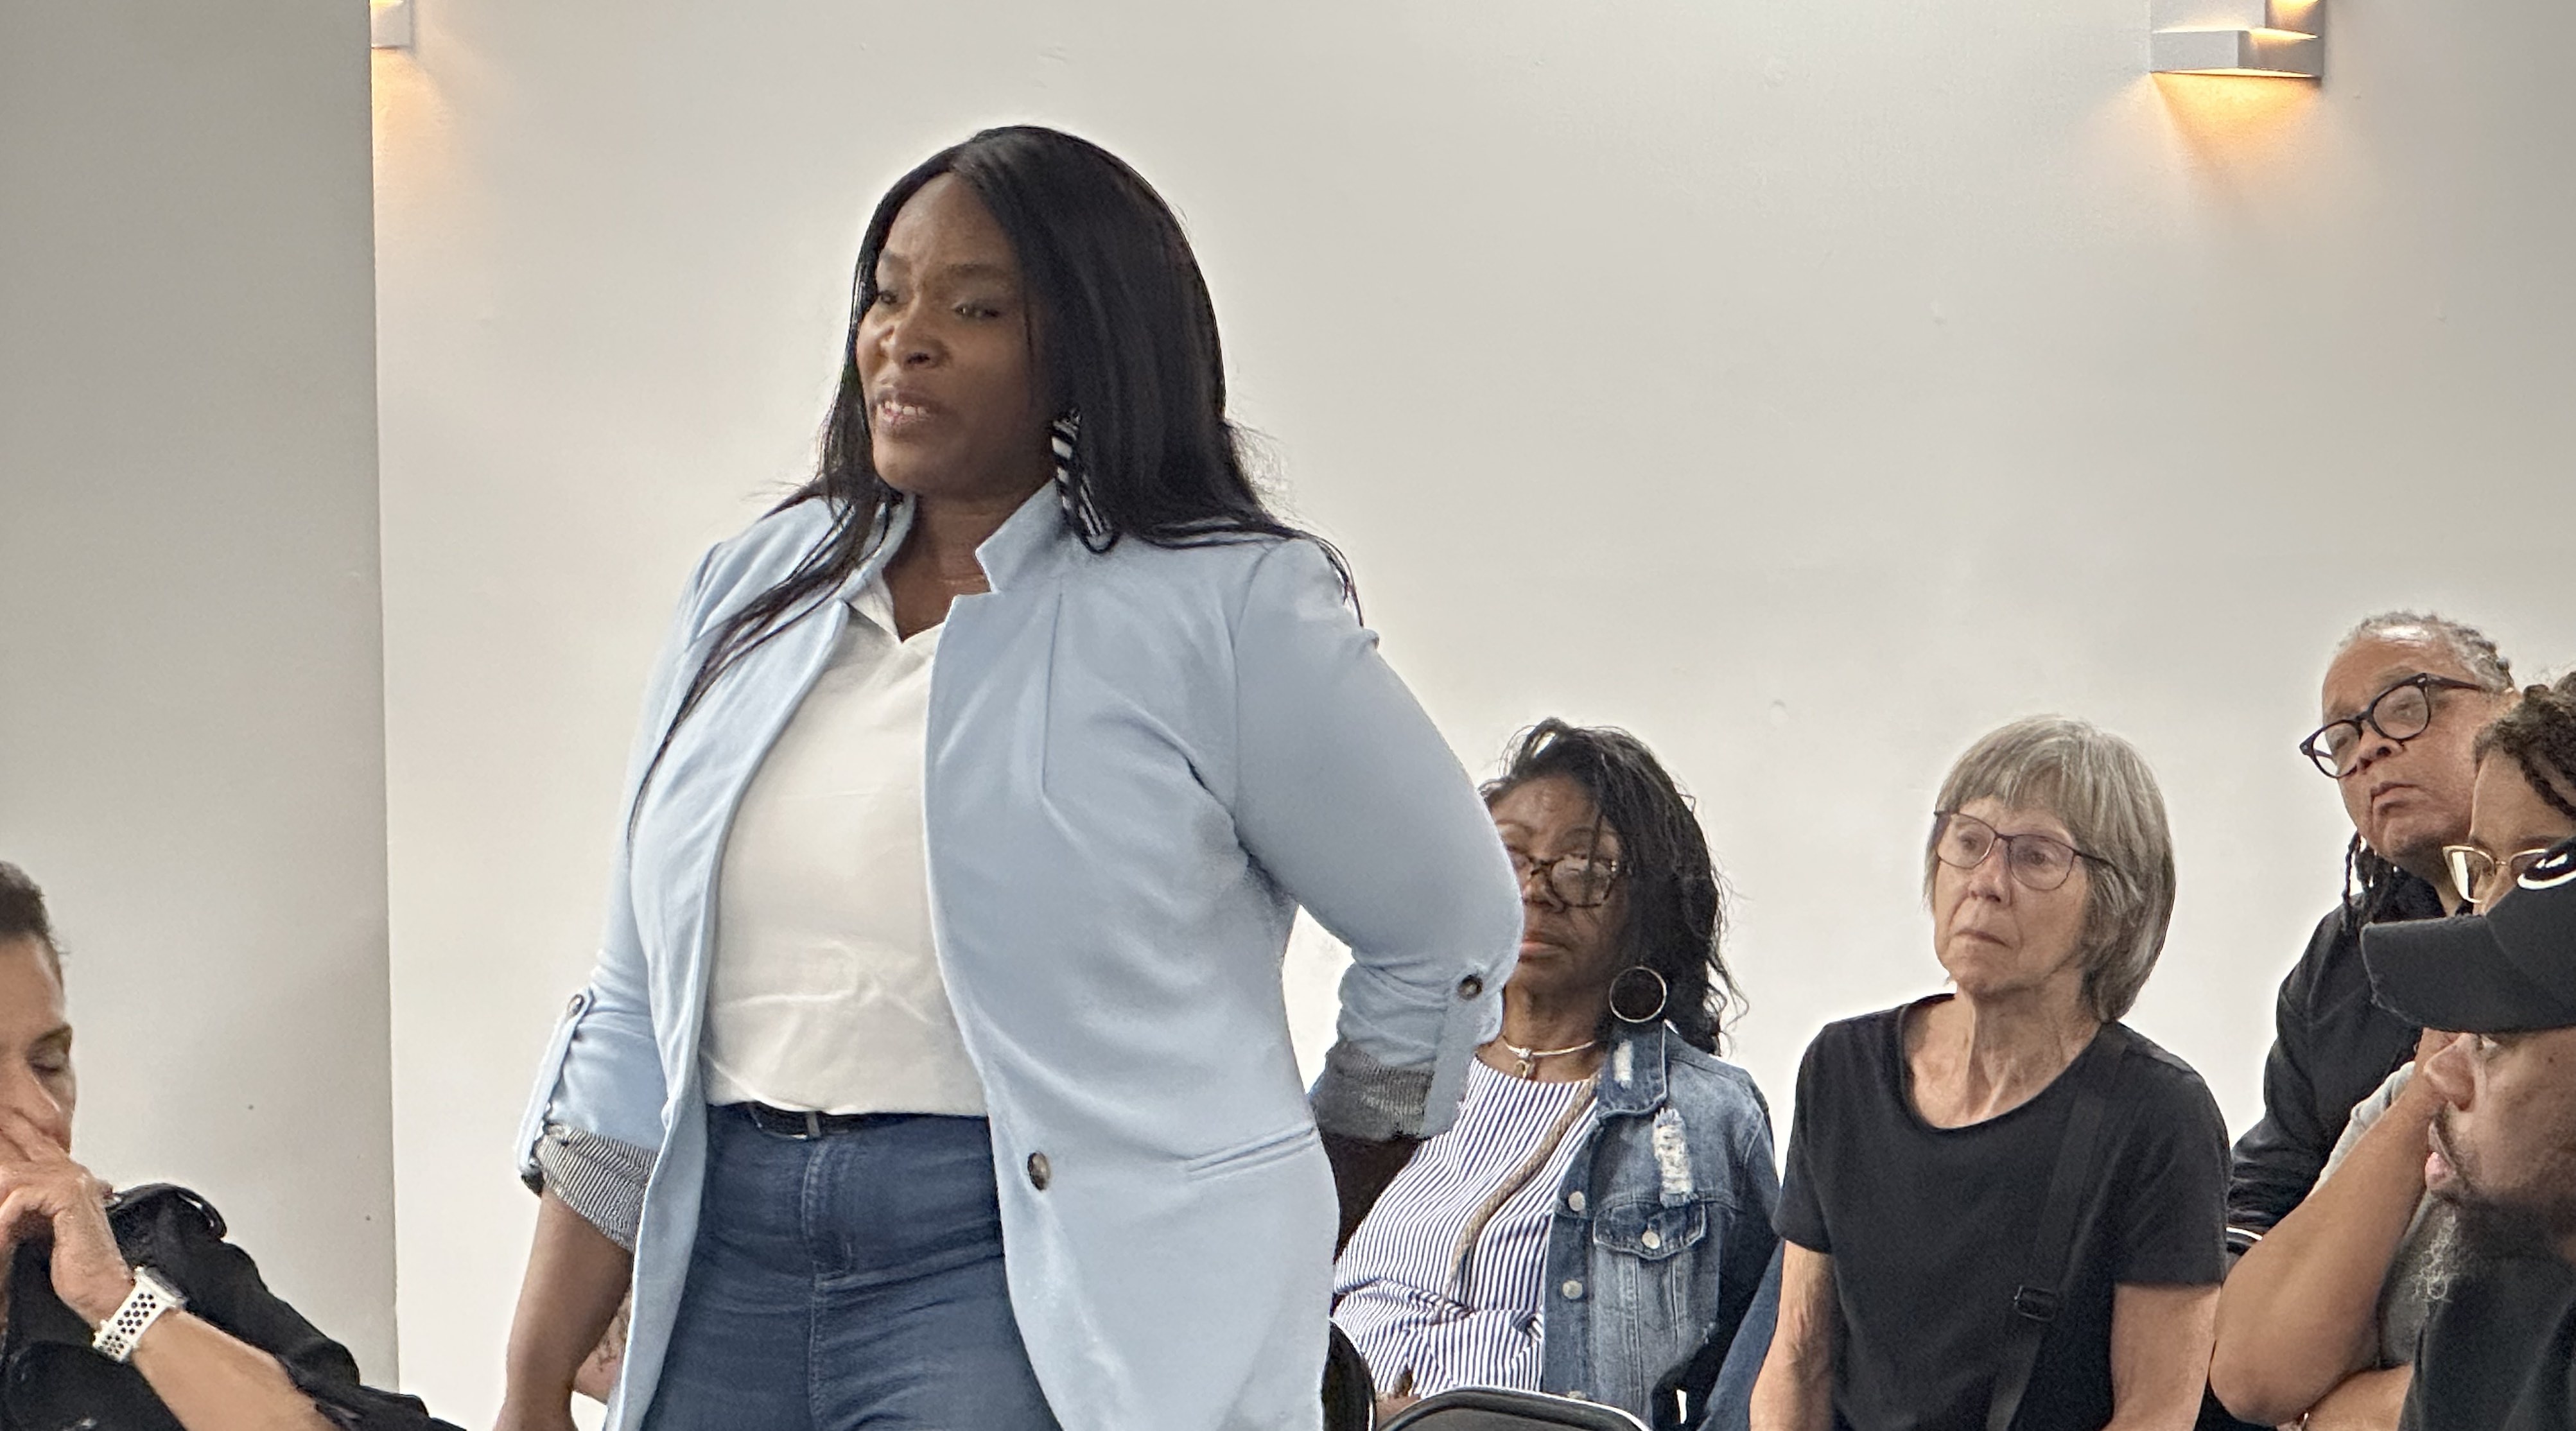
2101, 788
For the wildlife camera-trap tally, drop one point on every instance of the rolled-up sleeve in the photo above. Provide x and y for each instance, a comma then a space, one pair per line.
1349, 798
601, 1083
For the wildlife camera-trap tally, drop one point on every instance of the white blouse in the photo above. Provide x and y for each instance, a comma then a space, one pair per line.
826, 991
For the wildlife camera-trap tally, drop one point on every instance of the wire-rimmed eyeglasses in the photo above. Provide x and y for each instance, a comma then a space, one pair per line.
2474, 871
1577, 881
2400, 713
2038, 862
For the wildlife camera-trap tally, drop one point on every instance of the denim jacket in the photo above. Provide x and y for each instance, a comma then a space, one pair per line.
1662, 1229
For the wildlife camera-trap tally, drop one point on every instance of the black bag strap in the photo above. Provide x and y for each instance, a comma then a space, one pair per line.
2035, 1301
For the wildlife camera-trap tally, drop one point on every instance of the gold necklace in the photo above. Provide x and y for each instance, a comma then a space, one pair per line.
1528, 1057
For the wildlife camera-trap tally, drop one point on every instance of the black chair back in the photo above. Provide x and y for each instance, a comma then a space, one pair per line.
1350, 1402
1481, 1409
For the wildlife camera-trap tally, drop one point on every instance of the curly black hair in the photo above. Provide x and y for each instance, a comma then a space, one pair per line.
1676, 909
2539, 732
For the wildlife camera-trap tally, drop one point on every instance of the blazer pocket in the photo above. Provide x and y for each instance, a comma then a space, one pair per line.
1261, 1152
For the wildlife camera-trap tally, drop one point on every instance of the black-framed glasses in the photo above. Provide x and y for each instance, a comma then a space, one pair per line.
2400, 713
1577, 881
2475, 872
2037, 862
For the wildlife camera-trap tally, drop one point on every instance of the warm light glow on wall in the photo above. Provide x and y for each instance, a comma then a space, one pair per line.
2278, 38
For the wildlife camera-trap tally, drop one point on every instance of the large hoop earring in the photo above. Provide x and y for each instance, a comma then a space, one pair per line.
1073, 486
1663, 995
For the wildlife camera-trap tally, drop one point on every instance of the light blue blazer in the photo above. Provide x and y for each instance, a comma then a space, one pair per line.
1138, 765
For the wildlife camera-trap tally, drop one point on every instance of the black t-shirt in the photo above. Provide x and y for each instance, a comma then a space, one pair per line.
2499, 1353
1930, 1228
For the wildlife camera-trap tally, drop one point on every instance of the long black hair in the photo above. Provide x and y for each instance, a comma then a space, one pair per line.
1125, 335
1676, 907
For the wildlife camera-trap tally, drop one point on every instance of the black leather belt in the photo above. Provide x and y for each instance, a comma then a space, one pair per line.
804, 1122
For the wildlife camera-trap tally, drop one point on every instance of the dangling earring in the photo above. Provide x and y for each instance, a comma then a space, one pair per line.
1663, 994
1073, 488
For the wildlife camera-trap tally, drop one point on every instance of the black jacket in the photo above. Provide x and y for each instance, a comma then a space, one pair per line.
2331, 1048
50, 1380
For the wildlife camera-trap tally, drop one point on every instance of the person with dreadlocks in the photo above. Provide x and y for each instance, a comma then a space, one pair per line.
2320, 1319
2404, 699
1599, 1217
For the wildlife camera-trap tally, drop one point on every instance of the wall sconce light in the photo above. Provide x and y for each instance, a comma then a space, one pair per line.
389, 24
2281, 38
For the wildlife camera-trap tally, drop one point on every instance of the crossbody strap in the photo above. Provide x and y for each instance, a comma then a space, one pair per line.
2035, 1302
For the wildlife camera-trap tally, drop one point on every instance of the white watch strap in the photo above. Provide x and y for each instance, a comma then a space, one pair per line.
142, 1307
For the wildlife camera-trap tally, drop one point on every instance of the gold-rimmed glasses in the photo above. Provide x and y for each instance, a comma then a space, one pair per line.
2474, 870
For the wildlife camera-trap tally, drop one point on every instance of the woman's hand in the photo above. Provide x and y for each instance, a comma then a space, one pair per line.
44, 1194
1396, 1400
1389, 1406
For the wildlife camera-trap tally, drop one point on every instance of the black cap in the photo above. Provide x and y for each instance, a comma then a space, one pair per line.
2509, 970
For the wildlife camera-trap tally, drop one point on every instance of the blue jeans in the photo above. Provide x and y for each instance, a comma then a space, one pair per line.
852, 1280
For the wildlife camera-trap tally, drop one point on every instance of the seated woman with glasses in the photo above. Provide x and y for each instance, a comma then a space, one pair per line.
1597, 1219
2319, 1318
2002, 1194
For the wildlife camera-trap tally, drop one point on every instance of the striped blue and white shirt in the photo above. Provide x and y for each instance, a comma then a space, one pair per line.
1407, 1298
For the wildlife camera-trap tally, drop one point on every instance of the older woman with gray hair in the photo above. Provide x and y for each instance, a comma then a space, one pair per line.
2003, 1208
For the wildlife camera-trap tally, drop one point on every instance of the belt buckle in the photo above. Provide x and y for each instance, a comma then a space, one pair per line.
813, 1126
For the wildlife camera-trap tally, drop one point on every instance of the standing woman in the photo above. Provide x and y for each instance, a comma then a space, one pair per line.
2002, 1194
935, 1066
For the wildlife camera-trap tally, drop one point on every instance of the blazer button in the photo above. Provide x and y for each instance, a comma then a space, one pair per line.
1040, 1174
1470, 987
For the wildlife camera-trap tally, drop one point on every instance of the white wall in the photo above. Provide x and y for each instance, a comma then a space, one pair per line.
1807, 387
191, 688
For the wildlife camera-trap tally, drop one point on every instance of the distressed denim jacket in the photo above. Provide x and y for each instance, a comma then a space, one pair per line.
1662, 1229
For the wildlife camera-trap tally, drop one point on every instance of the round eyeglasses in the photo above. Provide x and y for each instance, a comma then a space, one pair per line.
2037, 862
2400, 713
2480, 877
1576, 881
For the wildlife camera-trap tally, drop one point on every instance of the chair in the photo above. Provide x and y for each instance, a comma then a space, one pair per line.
1350, 1403
1480, 1409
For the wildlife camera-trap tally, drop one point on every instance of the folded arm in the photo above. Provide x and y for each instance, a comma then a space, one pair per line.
2301, 1309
